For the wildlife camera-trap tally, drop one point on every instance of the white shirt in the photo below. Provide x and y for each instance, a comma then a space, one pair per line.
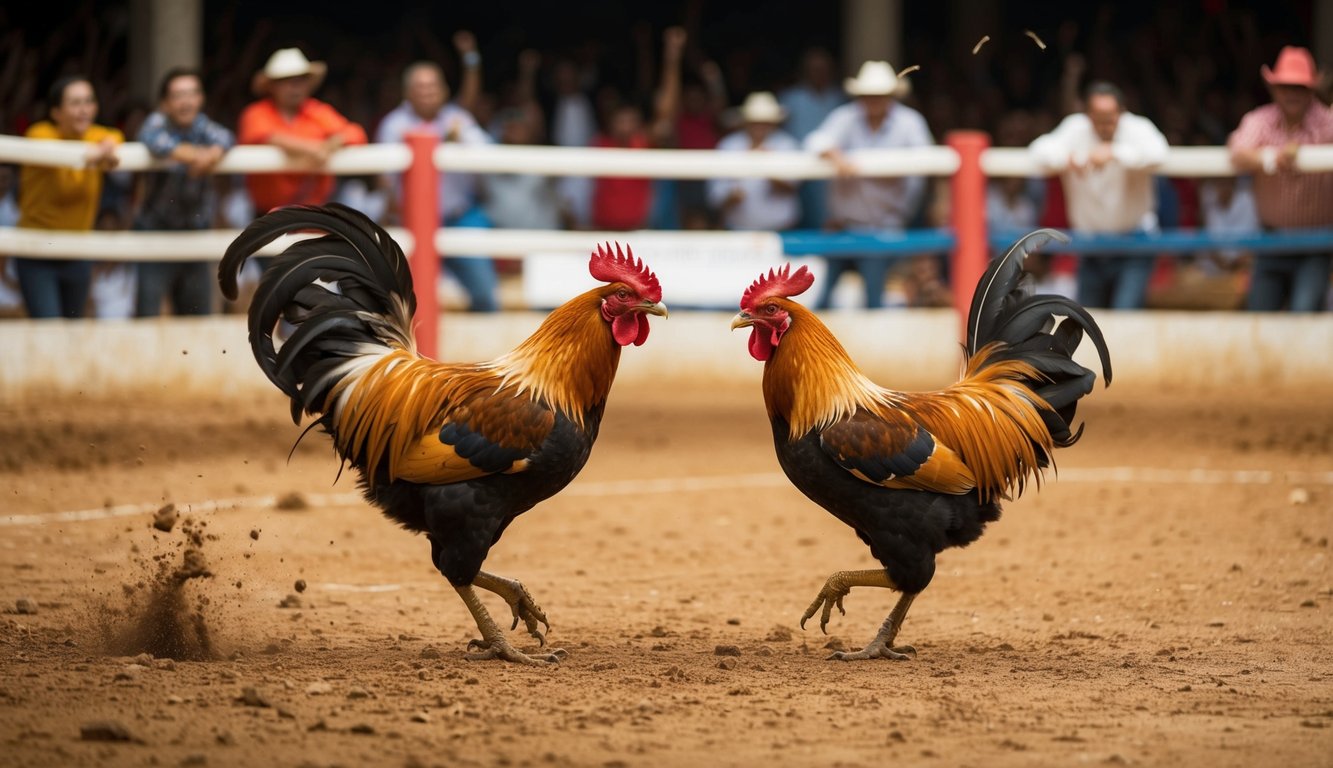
1239, 216
761, 207
872, 203
1119, 196
452, 123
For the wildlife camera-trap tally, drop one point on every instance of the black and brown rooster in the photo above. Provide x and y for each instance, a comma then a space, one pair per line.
452, 450
914, 473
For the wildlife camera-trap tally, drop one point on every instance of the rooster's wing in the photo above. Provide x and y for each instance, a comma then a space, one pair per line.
489, 433
891, 449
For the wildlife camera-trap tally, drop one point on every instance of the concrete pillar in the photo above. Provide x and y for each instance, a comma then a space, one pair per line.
871, 29
163, 34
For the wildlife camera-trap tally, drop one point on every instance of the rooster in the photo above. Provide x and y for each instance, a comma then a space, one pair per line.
916, 473
455, 451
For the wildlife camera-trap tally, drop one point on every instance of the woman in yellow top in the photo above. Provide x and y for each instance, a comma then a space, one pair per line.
64, 198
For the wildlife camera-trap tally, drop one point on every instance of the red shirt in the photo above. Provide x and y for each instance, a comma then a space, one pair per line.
618, 202
316, 120
1288, 199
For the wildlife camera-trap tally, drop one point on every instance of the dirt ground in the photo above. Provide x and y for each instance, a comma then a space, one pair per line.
1166, 600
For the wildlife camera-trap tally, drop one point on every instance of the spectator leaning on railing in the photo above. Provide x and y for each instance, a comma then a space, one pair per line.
876, 120
180, 198
426, 108
306, 129
1266, 143
64, 198
757, 204
1105, 156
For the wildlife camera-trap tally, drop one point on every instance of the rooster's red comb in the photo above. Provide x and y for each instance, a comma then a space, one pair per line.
622, 267
778, 282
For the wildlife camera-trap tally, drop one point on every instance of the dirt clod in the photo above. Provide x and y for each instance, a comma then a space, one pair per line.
291, 502
105, 730
252, 697
727, 650
165, 518
300, 585
25, 606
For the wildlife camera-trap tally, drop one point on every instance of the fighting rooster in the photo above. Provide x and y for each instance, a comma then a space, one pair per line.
455, 451
916, 473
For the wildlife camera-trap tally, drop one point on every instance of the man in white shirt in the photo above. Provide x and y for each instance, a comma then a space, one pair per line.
426, 107
1106, 157
874, 121
752, 203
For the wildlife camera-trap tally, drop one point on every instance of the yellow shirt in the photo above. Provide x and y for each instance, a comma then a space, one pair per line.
61, 198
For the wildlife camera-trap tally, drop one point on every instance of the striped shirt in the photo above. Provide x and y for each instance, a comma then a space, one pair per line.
1288, 199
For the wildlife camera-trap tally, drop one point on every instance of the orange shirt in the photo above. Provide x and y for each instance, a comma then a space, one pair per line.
316, 120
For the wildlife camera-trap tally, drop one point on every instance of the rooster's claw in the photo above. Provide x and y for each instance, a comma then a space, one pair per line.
520, 601
876, 650
831, 595
501, 649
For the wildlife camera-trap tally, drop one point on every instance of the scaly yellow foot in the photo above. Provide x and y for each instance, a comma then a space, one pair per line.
520, 601
493, 644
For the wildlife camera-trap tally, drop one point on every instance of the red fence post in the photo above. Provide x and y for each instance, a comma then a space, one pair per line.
421, 217
968, 217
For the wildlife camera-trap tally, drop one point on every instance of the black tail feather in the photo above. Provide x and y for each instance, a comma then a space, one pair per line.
363, 296
1004, 310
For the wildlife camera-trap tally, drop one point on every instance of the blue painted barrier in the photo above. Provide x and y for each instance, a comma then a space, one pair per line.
888, 244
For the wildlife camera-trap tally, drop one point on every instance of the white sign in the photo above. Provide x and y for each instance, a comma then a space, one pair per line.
696, 270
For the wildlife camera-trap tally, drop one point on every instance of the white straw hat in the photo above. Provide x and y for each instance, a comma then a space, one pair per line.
285, 63
762, 107
876, 78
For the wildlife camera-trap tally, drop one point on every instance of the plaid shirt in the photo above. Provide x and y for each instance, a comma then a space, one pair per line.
1288, 200
172, 199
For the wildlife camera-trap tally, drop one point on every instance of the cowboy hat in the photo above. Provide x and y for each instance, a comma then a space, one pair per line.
285, 63
1295, 66
762, 107
876, 78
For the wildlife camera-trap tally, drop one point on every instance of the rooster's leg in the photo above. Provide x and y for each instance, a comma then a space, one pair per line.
882, 646
837, 587
493, 644
520, 602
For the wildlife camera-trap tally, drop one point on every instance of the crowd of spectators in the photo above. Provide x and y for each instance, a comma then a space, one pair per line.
1190, 82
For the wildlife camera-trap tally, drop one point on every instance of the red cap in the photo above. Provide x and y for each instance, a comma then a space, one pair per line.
1295, 66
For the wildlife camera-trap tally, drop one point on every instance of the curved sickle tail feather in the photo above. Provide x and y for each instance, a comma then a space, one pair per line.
347, 297
1007, 322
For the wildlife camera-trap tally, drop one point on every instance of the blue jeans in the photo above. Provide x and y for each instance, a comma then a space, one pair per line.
1115, 282
814, 203
1297, 280
189, 285
874, 271
54, 287
476, 273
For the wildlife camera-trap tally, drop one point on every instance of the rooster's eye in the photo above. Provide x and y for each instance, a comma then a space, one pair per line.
771, 309
622, 294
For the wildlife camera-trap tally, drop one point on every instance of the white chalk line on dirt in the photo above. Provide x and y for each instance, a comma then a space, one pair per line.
668, 485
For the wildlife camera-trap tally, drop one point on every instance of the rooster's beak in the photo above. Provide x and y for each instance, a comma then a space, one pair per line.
658, 308
741, 320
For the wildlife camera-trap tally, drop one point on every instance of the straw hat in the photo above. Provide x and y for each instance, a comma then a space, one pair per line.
1295, 66
876, 78
762, 107
285, 63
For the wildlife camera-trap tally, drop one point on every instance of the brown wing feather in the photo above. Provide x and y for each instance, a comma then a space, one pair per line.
498, 432
887, 447
431, 422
